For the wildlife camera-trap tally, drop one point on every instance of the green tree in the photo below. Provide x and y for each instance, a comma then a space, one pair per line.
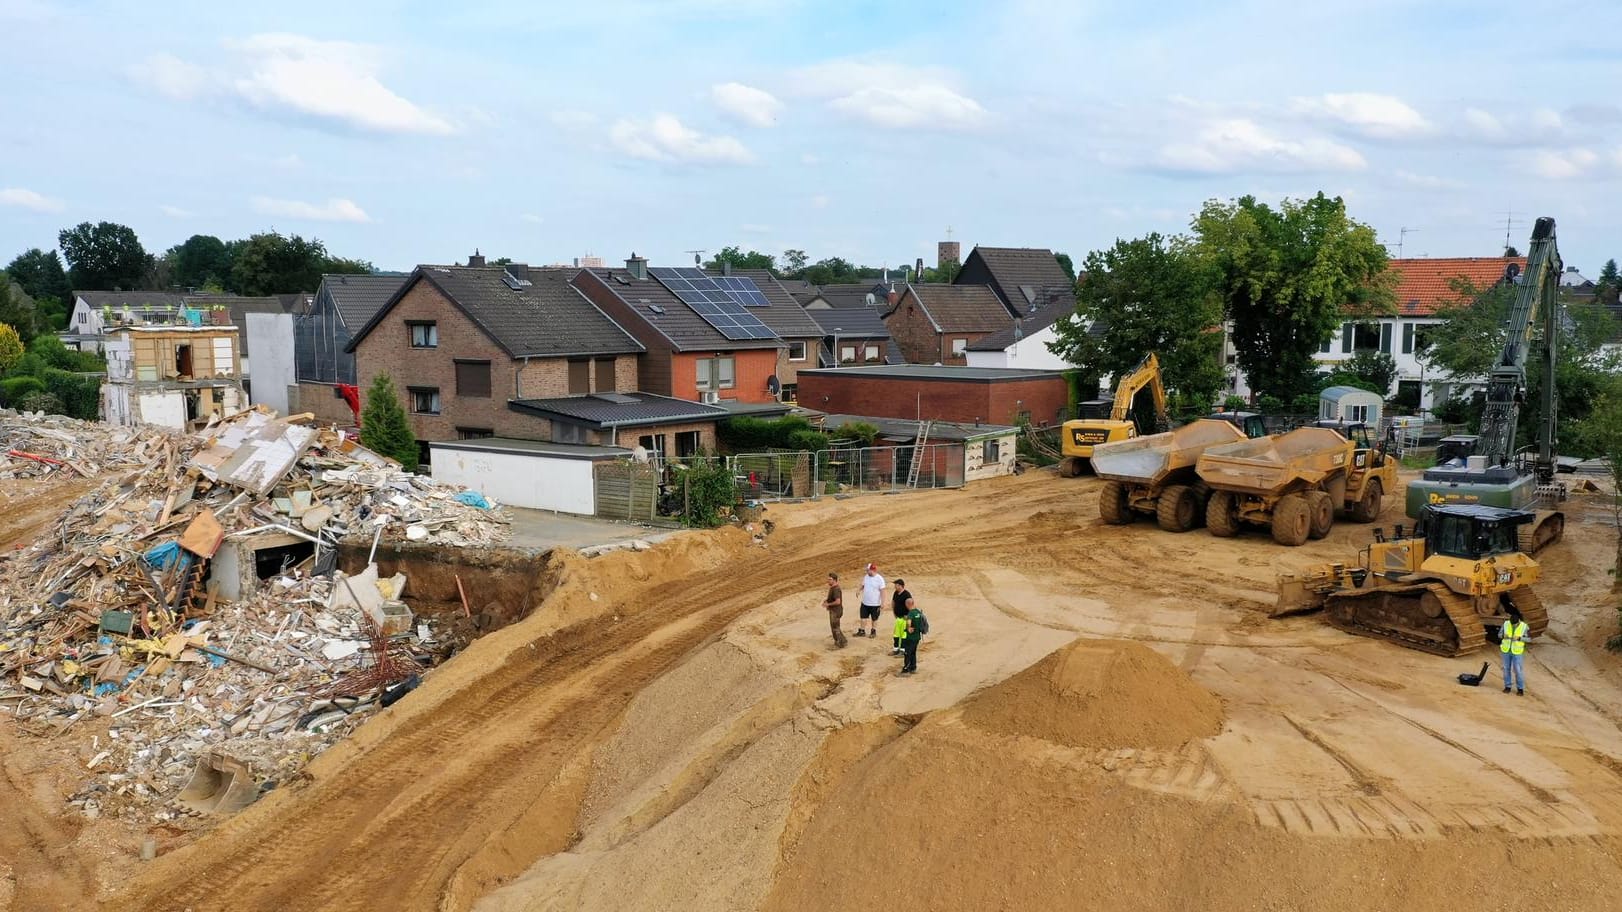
832, 271
1376, 368
1287, 277
40, 273
17, 310
271, 263
945, 273
793, 263
11, 348
1069, 267
754, 259
105, 256
1151, 294
201, 261
1605, 288
1600, 435
346, 266
384, 428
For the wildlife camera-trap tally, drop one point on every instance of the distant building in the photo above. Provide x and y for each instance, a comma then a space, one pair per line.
1024, 342
913, 392
935, 324
343, 304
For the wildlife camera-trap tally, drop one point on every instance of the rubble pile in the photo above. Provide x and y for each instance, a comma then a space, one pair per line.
119, 629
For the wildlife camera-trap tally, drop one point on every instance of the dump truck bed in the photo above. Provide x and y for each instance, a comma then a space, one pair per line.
1150, 460
1271, 465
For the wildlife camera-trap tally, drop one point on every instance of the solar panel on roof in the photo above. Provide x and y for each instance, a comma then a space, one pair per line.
723, 306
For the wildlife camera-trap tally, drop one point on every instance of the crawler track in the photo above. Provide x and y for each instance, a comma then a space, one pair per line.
1429, 617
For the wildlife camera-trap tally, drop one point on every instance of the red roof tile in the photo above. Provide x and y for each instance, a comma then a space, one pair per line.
1424, 285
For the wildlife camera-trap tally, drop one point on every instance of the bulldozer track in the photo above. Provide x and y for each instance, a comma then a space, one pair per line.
1532, 610
1468, 632
1546, 530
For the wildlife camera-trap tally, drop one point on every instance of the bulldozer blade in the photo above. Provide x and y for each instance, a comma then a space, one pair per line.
220, 784
1296, 596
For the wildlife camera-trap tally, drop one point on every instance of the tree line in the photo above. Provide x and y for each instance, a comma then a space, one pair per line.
796, 264
107, 256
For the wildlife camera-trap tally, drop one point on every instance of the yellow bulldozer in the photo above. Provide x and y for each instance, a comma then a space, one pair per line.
1109, 420
1442, 587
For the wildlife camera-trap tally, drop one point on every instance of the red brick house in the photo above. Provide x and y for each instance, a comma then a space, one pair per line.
935, 324
686, 355
469, 346
783, 314
1023, 278
969, 395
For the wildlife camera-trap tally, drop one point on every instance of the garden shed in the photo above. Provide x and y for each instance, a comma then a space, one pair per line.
1348, 403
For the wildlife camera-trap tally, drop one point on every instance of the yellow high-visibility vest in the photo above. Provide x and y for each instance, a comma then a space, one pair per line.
1512, 639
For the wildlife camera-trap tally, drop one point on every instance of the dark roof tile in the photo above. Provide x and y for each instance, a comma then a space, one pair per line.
677, 322
358, 297
962, 308
607, 410
1048, 312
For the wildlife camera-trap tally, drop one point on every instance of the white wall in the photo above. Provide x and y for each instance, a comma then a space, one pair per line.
1029, 353
270, 338
975, 465
521, 479
164, 408
90, 325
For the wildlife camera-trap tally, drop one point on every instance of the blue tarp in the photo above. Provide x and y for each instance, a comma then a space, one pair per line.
473, 499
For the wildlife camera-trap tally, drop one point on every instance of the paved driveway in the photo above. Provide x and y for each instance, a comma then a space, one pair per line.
542, 529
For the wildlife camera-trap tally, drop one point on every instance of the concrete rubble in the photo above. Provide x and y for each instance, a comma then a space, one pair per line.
189, 607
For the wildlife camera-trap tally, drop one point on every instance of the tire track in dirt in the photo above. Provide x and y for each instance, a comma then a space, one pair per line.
36, 854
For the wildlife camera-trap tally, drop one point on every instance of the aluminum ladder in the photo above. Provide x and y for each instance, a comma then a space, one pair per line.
918, 449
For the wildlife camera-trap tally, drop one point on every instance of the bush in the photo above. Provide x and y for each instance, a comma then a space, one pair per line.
11, 348
806, 440
40, 402
1271, 404
79, 394
13, 389
710, 488
860, 431
1234, 404
745, 434
1454, 411
384, 427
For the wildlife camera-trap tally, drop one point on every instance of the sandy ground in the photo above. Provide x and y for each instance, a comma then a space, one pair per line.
1099, 712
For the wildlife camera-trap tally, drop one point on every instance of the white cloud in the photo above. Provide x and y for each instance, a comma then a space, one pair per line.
175, 211
335, 82
531, 217
891, 95
1483, 125
1426, 181
1556, 164
666, 139
820, 201
746, 104
28, 199
1238, 145
1366, 113
334, 210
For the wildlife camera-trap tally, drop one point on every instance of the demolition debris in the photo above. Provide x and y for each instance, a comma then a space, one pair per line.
185, 622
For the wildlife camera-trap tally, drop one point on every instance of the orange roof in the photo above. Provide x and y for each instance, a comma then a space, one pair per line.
1423, 285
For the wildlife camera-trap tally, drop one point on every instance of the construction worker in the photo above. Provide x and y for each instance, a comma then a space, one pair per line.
835, 603
1512, 639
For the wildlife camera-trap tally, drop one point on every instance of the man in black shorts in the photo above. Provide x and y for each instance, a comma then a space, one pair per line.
872, 602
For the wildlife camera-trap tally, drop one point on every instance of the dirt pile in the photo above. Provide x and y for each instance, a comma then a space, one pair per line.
1099, 693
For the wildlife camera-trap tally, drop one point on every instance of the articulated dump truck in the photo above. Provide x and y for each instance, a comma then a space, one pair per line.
1293, 483
1155, 475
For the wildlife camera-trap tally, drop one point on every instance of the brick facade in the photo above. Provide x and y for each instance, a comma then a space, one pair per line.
388, 349
750, 369
915, 334
323, 401
1003, 401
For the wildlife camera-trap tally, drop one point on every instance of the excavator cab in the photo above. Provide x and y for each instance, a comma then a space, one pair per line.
1121, 418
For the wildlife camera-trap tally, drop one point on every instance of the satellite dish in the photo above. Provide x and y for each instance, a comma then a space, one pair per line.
773, 385
871, 300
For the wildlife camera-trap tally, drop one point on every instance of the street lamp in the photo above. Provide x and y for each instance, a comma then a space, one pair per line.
837, 331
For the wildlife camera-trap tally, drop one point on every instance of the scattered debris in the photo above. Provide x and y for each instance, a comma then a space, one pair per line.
184, 620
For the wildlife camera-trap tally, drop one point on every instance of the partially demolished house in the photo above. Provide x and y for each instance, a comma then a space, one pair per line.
176, 376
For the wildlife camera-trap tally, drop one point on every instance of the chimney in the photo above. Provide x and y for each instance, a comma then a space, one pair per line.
892, 297
918, 271
637, 266
726, 267
476, 259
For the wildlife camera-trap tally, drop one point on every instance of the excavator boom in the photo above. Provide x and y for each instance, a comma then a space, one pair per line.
1145, 375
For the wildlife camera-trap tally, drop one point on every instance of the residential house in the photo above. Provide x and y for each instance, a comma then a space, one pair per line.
935, 323
1022, 277
171, 375
1024, 342
913, 392
467, 345
321, 336
850, 294
854, 336
783, 315
89, 320
713, 350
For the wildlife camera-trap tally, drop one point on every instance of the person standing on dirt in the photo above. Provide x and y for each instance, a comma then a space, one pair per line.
917, 626
901, 604
1512, 643
835, 603
872, 602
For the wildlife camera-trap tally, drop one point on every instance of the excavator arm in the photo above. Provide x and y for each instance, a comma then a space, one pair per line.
1506, 383
1146, 374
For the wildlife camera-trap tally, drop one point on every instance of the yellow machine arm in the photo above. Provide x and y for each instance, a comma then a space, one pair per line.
1146, 374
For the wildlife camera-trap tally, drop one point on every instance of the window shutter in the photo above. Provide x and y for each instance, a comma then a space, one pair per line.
1407, 338
1385, 338
1345, 338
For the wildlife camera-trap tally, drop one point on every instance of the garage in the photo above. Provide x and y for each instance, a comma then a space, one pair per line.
525, 473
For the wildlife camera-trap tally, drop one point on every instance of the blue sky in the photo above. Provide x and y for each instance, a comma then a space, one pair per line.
412, 132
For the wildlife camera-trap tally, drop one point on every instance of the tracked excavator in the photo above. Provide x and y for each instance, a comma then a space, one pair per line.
1108, 420
1444, 587
1487, 470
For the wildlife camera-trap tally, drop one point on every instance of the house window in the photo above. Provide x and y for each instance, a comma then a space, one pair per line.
791, 392
83, 318
605, 375
1345, 338
993, 450
467, 433
579, 377
1385, 338
1365, 337
686, 443
959, 346
847, 354
796, 351
473, 379
1424, 337
424, 335
1357, 413
569, 432
1322, 349
870, 353
715, 374
424, 400
653, 443
1407, 338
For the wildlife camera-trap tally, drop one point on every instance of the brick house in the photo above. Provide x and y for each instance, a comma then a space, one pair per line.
321, 336
783, 313
1023, 278
935, 324
684, 355
854, 336
463, 342
659, 424
970, 395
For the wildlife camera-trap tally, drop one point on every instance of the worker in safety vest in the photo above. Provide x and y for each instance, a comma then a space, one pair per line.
1512, 643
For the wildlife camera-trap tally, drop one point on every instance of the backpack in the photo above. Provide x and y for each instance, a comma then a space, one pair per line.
921, 623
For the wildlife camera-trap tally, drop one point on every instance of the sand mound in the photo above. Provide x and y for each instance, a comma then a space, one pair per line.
1099, 693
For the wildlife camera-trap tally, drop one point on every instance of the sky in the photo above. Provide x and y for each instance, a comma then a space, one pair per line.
406, 132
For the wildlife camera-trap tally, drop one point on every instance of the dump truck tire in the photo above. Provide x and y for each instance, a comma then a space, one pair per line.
1292, 520
1220, 516
1367, 509
1112, 504
1070, 466
1178, 508
1321, 509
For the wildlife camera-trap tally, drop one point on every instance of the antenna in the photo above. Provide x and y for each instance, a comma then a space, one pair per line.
1402, 237
1510, 221
698, 256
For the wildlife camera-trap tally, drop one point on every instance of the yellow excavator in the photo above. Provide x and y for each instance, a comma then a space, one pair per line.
1109, 420
1441, 587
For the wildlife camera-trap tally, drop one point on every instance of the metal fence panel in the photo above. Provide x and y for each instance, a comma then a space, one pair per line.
877, 469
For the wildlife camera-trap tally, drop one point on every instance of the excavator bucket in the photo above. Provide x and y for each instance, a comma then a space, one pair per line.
220, 784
